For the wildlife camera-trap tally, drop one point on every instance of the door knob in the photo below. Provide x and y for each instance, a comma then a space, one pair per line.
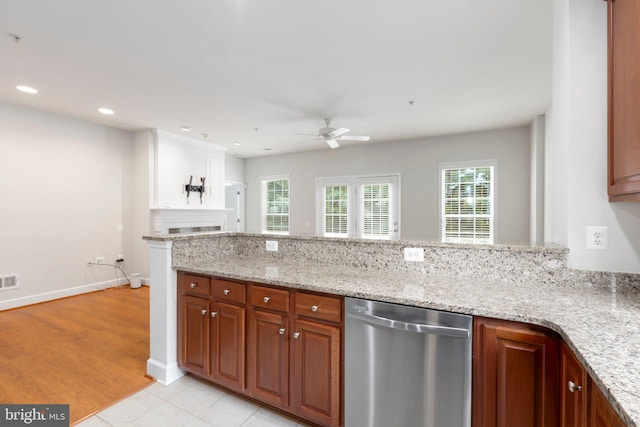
281, 331
573, 387
192, 285
214, 313
296, 335
314, 308
226, 291
203, 312
266, 299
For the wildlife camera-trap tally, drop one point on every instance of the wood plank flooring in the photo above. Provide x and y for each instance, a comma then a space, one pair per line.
89, 351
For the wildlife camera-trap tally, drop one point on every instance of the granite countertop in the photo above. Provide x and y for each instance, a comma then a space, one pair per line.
602, 326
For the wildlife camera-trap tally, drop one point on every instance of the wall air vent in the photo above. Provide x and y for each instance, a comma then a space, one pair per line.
8, 281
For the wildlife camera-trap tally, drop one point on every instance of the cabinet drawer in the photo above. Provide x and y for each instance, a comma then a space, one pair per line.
275, 299
319, 307
195, 284
227, 290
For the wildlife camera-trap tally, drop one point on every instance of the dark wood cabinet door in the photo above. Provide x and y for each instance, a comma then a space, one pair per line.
268, 357
624, 100
515, 375
601, 414
573, 390
316, 372
228, 344
194, 350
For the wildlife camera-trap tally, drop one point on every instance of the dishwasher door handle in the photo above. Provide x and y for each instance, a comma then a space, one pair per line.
410, 327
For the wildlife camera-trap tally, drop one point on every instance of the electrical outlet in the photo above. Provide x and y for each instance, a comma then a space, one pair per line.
99, 260
598, 238
414, 254
272, 245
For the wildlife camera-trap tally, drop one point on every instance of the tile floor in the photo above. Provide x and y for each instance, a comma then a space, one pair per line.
187, 402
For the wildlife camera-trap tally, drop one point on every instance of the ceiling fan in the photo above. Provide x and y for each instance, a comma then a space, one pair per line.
331, 135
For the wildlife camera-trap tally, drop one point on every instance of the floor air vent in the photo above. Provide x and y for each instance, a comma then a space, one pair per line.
8, 281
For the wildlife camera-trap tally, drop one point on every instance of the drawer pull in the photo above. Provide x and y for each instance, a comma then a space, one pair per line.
314, 308
214, 313
296, 335
281, 331
266, 300
226, 291
192, 285
203, 312
573, 387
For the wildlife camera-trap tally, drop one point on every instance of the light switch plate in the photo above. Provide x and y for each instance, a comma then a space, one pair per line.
414, 254
272, 245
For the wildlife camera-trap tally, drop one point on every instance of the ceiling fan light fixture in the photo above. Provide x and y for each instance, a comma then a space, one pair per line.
332, 142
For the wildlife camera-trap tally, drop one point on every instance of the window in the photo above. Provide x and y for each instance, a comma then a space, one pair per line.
363, 207
275, 205
468, 202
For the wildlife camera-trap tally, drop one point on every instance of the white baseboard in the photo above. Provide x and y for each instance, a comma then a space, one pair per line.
164, 374
62, 293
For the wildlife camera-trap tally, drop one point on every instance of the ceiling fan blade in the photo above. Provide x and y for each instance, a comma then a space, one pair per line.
337, 132
354, 138
308, 140
332, 142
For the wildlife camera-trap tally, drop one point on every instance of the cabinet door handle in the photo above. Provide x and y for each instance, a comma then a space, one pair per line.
573, 387
281, 331
266, 299
203, 312
226, 291
214, 313
296, 335
192, 285
314, 308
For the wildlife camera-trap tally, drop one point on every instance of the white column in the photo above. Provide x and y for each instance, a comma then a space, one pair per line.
163, 312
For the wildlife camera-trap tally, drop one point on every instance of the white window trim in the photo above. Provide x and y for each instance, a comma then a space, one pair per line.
263, 203
494, 184
353, 182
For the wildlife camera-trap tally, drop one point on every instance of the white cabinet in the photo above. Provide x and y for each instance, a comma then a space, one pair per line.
177, 159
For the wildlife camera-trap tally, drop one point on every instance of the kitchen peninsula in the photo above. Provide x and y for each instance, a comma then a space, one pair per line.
596, 314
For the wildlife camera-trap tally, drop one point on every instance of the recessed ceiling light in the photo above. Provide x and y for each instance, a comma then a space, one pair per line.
236, 143
267, 149
107, 111
26, 89
185, 128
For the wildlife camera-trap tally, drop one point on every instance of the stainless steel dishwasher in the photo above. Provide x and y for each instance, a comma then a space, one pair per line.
406, 366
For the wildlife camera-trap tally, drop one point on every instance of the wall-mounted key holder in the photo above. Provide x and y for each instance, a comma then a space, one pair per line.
195, 188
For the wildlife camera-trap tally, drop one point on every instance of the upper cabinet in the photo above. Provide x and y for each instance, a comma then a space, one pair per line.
624, 100
181, 161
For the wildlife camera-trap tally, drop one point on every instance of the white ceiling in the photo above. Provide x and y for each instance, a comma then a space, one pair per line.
228, 67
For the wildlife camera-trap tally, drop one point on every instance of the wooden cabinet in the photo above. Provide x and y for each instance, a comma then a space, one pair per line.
316, 371
573, 390
268, 357
601, 414
316, 364
624, 100
281, 347
227, 356
515, 379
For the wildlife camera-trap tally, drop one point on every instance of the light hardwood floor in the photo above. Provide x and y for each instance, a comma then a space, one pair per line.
89, 351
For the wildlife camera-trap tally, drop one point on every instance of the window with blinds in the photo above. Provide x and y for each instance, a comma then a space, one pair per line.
358, 206
336, 211
275, 193
468, 204
375, 210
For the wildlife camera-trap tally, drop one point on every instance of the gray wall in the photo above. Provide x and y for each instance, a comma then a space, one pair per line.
418, 164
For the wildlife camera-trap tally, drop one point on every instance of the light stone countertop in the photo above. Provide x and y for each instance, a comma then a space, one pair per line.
602, 326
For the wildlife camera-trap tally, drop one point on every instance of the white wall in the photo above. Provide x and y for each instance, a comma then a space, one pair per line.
576, 160
64, 184
417, 162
